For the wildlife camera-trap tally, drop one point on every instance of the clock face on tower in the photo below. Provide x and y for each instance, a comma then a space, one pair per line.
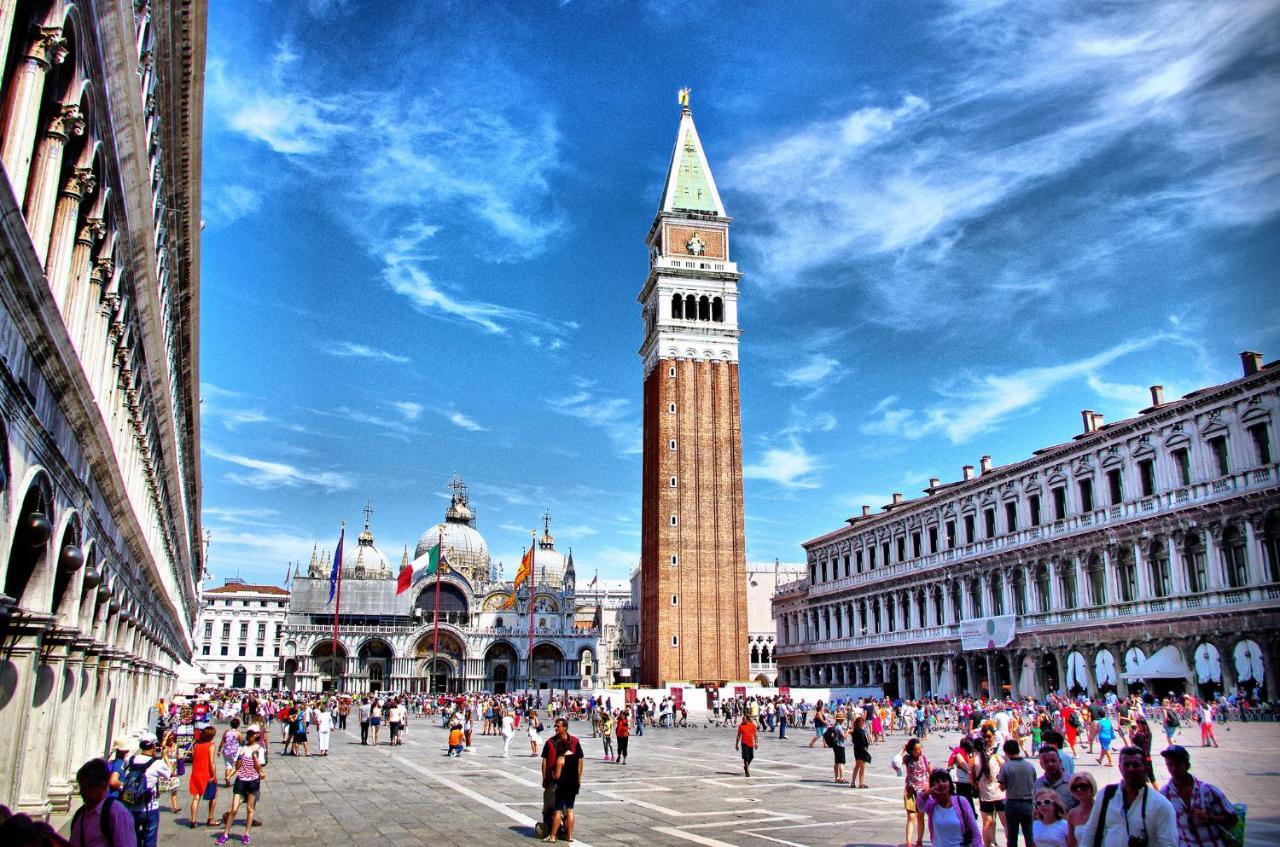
695, 245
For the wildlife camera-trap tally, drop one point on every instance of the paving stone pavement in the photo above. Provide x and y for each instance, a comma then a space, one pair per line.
680, 787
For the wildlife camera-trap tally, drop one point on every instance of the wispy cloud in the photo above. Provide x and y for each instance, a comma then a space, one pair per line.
790, 466
613, 415
347, 349
267, 475
461, 421
409, 409
227, 203
813, 371
974, 405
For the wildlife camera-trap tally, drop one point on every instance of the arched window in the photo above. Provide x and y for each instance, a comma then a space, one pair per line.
755, 654
704, 308
765, 656
717, 310
690, 307
1019, 592
677, 307
939, 609
1126, 576
1042, 588
975, 597
1233, 558
1193, 556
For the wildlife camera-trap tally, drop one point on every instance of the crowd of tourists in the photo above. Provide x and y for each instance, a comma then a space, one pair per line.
1011, 771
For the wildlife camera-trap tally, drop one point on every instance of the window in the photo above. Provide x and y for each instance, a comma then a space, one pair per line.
1261, 443
257, 682
933, 539
204, 651
260, 649
1218, 446
951, 535
226, 629
1127, 578
671, 444
675, 600
824, 570
1011, 516
1182, 460
871, 558
223, 650
244, 630
1034, 502
1059, 503
989, 522
208, 629
1086, 495
1067, 581
675, 560
242, 650
675, 641
969, 531
915, 545
279, 629
1194, 558
902, 548
1147, 477
1159, 560
1233, 558
1114, 488
671, 407
857, 560
674, 521
1097, 581
884, 552
673, 482
262, 630
671, 371
847, 567
498, 623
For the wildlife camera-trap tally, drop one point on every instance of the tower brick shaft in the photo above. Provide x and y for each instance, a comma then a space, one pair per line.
693, 606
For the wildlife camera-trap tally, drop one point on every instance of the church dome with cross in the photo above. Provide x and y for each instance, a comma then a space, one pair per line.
463, 546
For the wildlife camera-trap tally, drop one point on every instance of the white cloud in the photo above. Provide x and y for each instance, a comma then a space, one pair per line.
461, 421
612, 414
267, 475
790, 466
409, 409
975, 405
364, 351
812, 372
227, 203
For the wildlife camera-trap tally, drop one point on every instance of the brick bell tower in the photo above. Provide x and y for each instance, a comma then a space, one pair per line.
693, 605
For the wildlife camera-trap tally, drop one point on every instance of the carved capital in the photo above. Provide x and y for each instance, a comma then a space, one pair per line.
66, 122
47, 46
79, 183
103, 268
91, 231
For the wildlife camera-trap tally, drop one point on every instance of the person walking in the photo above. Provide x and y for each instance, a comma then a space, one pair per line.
746, 742
375, 720
1202, 811
819, 724
1141, 738
1207, 734
534, 728
916, 771
623, 732
562, 764
1054, 779
1130, 812
861, 752
140, 795
952, 821
508, 731
365, 714
230, 748
101, 819
203, 781
344, 709
250, 771
1017, 778
988, 765
324, 728
605, 727
1106, 735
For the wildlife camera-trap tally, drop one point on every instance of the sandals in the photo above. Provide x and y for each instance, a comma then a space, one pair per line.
209, 822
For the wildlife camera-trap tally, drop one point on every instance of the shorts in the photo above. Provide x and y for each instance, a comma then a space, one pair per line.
818, 729
991, 807
909, 800
839, 754
375, 721
247, 788
748, 753
395, 728
565, 799
300, 736
230, 760
1104, 741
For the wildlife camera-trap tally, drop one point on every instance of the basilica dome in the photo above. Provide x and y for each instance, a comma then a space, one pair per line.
464, 547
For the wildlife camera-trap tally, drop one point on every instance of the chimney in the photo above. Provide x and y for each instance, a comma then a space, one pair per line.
985, 463
1086, 415
1157, 395
897, 497
934, 482
1097, 421
866, 511
968, 472
1252, 362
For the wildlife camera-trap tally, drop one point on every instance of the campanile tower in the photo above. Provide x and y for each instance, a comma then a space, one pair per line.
693, 565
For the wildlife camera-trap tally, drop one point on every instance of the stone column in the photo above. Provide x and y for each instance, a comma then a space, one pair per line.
1140, 570
22, 107
1255, 556
62, 240
61, 769
46, 170
1213, 558
948, 605
78, 300
1177, 569
1006, 589
50, 691
1082, 582
1109, 575
1055, 585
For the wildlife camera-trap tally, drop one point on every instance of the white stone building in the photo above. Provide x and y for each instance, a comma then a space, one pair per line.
763, 581
1142, 552
239, 632
389, 641
100, 150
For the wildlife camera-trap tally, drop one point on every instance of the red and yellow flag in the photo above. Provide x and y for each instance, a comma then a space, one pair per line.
526, 568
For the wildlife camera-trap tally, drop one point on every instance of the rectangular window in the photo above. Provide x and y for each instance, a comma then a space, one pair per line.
673, 482
1035, 509
902, 548
1114, 487
671, 444
260, 649
847, 565
915, 545
242, 651
204, 651
933, 539
1086, 495
871, 558
279, 629
824, 570
226, 629
1011, 516
208, 629
1218, 446
1147, 477
857, 560
675, 521
1182, 460
1059, 503
969, 529
1261, 443
884, 553
223, 650
675, 560
262, 630
951, 535
244, 630
989, 522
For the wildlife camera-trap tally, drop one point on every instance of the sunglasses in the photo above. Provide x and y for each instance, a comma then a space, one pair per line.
1082, 786
1045, 803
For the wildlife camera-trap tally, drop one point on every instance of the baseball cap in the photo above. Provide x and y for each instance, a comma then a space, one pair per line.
1177, 752
147, 739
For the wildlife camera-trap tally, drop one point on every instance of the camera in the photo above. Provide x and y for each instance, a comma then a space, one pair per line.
1136, 841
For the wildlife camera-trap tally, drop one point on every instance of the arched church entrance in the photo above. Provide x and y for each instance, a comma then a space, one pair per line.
439, 666
330, 666
500, 667
547, 664
239, 677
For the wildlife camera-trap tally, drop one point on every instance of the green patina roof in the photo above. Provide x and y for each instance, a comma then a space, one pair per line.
690, 186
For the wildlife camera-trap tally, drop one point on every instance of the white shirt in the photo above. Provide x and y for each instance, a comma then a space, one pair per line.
156, 771
1160, 825
324, 721
1049, 834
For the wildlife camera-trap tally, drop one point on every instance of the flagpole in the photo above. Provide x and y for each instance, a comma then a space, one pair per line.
337, 609
435, 641
533, 589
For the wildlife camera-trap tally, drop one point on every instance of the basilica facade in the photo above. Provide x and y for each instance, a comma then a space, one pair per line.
390, 641
1141, 554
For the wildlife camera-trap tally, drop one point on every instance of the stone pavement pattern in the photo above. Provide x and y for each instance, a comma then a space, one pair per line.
680, 787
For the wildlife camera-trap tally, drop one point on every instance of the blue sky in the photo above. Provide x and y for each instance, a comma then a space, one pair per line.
959, 223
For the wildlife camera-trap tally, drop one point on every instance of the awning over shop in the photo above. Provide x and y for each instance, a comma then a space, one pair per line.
1165, 663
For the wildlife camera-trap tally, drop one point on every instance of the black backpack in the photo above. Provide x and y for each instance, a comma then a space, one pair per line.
135, 791
829, 737
104, 822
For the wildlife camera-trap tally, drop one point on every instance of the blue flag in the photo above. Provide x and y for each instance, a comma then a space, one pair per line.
337, 565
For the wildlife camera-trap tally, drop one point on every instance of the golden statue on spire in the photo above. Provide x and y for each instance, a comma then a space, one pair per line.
683, 97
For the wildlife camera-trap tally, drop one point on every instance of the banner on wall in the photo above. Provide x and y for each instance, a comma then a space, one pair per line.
987, 633
677, 698
631, 696
784, 691
739, 691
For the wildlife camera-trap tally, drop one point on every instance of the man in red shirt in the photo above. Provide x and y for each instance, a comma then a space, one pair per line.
562, 762
746, 742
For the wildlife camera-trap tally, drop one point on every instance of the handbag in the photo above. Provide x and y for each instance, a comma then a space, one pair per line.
1234, 836
182, 766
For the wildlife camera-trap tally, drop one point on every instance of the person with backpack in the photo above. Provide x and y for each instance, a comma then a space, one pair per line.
952, 822
1172, 723
837, 739
102, 819
139, 792
1130, 811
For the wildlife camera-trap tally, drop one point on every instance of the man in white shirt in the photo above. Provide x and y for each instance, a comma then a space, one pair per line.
145, 806
1130, 811
365, 712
